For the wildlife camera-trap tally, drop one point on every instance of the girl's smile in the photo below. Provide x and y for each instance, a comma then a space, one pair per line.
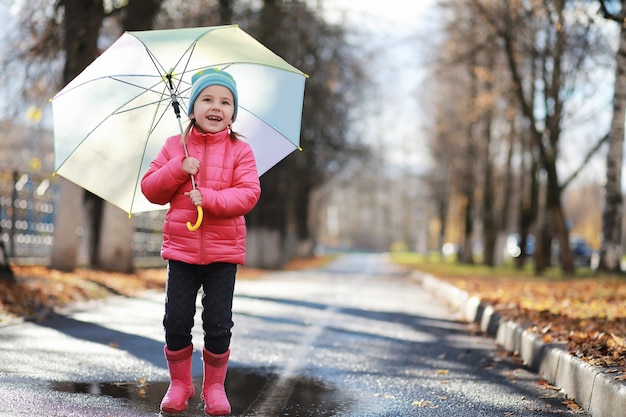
213, 109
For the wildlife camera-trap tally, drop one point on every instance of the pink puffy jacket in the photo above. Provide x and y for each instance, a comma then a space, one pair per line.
229, 183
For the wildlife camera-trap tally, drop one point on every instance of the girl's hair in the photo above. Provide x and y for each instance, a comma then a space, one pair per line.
233, 135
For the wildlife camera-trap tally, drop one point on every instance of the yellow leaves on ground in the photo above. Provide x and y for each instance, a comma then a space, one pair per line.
39, 290
587, 315
571, 404
422, 403
546, 385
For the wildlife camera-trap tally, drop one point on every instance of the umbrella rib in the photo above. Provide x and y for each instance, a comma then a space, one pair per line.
120, 111
270, 126
158, 115
156, 118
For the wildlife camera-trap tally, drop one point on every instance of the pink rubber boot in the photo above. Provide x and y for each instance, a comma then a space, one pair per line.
213, 394
181, 385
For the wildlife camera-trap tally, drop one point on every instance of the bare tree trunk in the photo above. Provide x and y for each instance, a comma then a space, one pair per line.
112, 249
556, 220
611, 249
490, 221
226, 11
68, 218
469, 184
469, 180
6, 273
505, 188
272, 215
140, 14
115, 249
82, 20
529, 210
439, 184
466, 255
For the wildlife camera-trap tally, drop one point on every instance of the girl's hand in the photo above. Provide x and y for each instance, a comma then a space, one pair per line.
191, 165
195, 196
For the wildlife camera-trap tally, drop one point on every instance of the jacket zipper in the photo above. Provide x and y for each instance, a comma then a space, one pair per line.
202, 180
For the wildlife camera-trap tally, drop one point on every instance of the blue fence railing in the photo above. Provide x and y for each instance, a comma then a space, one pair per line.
27, 212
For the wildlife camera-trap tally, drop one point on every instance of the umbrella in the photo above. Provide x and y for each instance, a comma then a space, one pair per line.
112, 119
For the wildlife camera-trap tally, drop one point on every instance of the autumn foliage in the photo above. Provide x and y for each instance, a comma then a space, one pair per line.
38, 291
586, 315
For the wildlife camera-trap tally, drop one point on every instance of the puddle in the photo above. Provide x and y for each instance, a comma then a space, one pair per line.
245, 388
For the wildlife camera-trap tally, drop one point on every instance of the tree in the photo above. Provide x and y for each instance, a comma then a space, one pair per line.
291, 29
547, 49
73, 30
279, 227
471, 101
525, 68
6, 273
82, 21
294, 32
611, 249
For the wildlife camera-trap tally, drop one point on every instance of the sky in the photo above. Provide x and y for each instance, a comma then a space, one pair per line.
395, 30
400, 32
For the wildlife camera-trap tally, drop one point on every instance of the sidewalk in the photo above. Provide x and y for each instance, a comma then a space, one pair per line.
594, 390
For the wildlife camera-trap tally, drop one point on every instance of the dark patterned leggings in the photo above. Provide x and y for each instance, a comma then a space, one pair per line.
183, 283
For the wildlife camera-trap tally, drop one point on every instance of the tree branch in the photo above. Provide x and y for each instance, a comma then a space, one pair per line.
591, 152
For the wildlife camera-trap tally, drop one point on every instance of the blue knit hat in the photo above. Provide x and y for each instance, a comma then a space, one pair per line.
207, 77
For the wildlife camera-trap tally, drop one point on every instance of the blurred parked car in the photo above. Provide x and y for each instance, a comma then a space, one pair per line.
581, 251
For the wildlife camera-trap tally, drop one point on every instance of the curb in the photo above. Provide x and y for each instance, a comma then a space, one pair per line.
592, 389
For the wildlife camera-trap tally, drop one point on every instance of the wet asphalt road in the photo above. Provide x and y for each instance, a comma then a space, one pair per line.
359, 338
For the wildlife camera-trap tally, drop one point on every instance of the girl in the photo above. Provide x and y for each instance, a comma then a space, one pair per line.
228, 187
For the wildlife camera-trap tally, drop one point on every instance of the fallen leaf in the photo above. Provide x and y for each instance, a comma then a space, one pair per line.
571, 404
546, 385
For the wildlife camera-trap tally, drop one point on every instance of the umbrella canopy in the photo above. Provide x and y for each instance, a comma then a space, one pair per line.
112, 119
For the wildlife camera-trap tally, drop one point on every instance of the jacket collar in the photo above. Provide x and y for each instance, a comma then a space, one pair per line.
195, 135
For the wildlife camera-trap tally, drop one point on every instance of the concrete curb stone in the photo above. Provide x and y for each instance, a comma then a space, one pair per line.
592, 388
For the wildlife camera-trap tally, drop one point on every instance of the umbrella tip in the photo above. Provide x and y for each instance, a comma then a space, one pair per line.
299, 148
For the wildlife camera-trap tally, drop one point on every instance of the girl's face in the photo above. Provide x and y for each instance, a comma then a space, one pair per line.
213, 109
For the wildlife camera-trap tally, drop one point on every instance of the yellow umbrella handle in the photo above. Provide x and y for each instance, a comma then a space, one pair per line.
196, 226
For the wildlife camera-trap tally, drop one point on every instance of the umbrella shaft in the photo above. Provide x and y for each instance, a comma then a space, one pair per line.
193, 180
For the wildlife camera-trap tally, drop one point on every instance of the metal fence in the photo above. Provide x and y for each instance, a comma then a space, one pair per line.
27, 211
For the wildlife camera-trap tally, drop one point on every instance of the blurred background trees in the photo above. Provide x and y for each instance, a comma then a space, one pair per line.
76, 31
518, 119
528, 75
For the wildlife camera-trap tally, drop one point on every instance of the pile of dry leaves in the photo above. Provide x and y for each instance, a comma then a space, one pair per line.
37, 290
587, 315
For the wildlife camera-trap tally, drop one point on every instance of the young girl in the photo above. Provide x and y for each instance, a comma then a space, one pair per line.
228, 187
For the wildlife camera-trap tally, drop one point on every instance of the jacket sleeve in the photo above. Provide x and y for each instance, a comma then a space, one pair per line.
164, 176
242, 196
